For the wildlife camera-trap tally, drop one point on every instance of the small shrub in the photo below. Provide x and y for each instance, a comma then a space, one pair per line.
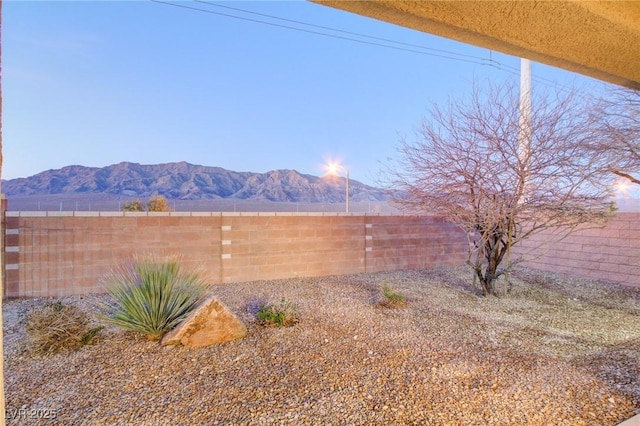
283, 314
158, 203
133, 206
152, 296
57, 327
391, 298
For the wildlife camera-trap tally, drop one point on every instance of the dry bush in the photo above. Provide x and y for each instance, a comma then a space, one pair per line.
133, 206
57, 327
158, 203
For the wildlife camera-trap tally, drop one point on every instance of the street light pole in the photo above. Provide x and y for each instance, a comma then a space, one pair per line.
347, 191
333, 168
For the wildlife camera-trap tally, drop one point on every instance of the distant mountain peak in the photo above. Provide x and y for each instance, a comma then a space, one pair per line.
185, 181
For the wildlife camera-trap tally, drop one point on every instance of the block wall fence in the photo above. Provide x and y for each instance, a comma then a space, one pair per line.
607, 253
66, 253
48, 254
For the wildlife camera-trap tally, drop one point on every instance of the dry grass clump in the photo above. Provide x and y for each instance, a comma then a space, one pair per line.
283, 314
58, 327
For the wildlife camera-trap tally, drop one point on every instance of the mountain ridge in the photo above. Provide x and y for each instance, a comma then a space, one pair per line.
186, 181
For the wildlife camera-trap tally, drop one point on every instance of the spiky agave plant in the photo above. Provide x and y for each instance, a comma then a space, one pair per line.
152, 295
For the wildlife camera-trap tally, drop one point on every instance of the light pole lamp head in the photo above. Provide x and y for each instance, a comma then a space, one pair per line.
334, 168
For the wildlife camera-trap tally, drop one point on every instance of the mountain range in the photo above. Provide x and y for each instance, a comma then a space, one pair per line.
184, 181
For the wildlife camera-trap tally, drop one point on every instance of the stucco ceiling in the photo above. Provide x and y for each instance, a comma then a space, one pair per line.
600, 39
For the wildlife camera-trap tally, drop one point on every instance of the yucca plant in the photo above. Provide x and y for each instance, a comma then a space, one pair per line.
152, 295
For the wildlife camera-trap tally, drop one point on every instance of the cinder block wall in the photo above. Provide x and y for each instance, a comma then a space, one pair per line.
66, 253
609, 253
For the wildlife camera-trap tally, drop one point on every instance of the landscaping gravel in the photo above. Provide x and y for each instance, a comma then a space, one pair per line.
557, 351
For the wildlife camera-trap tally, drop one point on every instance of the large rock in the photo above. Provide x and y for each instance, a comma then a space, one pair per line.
210, 323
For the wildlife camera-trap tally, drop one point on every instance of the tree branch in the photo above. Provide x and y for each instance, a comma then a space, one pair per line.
626, 176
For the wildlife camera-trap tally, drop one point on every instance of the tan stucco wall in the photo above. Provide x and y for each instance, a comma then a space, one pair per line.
600, 39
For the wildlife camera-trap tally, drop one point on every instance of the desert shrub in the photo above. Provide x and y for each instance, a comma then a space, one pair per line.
391, 299
158, 203
57, 327
133, 206
283, 314
152, 295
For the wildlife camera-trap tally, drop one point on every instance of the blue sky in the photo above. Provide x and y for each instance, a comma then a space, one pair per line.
97, 83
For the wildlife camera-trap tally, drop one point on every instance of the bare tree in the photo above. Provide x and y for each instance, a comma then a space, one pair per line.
618, 118
468, 165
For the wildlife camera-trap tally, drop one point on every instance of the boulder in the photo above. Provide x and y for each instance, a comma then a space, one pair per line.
209, 323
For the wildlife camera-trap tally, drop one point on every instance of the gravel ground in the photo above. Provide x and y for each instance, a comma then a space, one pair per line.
557, 351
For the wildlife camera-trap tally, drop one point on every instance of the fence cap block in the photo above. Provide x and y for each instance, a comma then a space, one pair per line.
27, 214
205, 214
179, 213
60, 213
87, 214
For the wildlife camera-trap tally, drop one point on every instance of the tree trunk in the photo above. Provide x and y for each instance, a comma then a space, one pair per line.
495, 248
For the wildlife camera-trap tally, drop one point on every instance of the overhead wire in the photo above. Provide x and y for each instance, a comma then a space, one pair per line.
337, 30
183, 6
410, 47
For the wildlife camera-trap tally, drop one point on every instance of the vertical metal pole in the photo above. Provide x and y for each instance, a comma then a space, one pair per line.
347, 190
524, 147
524, 139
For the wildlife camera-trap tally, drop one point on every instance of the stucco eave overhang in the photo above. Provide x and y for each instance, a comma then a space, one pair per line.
600, 39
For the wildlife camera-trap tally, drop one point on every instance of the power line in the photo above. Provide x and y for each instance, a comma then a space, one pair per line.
339, 30
410, 47
480, 62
